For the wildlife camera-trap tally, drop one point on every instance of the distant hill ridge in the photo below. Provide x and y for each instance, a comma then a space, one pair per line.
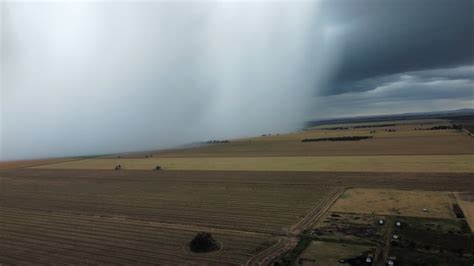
404, 116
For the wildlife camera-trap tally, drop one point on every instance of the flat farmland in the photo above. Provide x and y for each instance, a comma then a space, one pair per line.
389, 138
466, 201
131, 220
408, 123
133, 217
406, 145
414, 163
396, 202
257, 197
328, 254
374, 132
404, 180
36, 237
251, 207
30, 163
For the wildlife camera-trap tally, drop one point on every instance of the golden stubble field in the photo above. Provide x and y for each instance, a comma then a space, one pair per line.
396, 202
466, 201
435, 142
30, 163
414, 163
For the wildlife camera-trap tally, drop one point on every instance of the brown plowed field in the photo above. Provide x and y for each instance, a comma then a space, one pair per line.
132, 217
106, 217
423, 181
37, 236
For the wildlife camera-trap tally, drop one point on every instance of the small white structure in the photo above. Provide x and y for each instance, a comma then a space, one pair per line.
391, 260
381, 222
425, 210
395, 236
368, 260
398, 224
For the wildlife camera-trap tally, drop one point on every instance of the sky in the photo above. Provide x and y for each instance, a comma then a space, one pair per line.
399, 56
97, 77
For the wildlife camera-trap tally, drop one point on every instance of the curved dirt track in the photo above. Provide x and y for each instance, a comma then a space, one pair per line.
286, 243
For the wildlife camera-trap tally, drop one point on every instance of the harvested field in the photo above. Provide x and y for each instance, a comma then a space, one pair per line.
24, 164
407, 145
35, 236
142, 219
433, 163
395, 202
410, 123
250, 207
375, 132
466, 201
415, 181
131, 217
328, 253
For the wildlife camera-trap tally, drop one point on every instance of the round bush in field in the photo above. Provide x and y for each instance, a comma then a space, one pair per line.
204, 242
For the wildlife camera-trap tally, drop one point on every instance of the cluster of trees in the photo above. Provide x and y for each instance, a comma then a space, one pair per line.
346, 138
268, 135
336, 128
459, 127
203, 242
360, 126
214, 141
380, 125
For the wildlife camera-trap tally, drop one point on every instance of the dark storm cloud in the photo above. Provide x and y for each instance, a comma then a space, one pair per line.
416, 91
380, 38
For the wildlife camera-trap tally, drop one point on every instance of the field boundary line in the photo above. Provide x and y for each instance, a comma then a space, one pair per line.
41, 164
127, 220
284, 244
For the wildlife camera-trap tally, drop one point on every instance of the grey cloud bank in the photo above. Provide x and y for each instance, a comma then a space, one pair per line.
398, 56
417, 91
380, 38
97, 77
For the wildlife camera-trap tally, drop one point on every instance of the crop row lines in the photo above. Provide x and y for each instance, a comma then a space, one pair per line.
129, 225
95, 248
203, 219
162, 207
115, 234
34, 250
219, 201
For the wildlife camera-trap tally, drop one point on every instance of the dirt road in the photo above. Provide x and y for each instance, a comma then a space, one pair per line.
287, 243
